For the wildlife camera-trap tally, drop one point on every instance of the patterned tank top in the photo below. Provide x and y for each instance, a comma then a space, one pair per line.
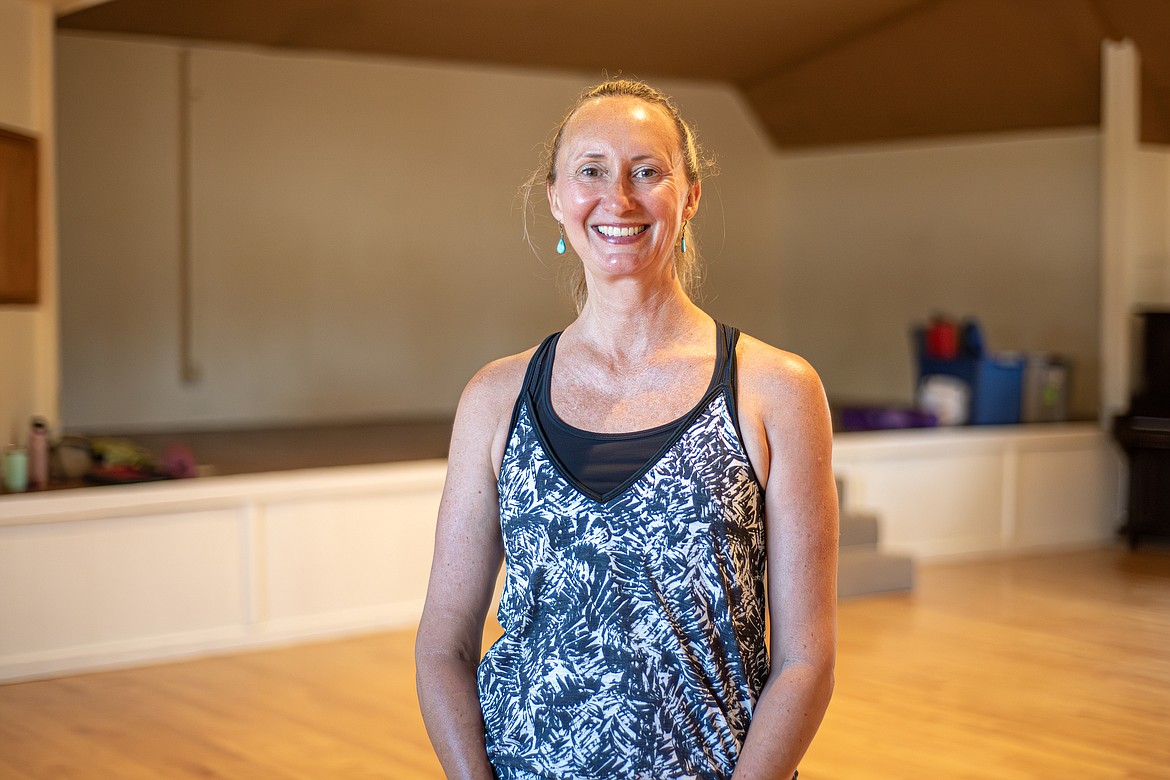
634, 623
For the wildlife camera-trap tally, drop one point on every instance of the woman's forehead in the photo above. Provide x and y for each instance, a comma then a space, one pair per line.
609, 118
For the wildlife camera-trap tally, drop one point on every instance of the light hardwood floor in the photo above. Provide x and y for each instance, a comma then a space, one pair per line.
1054, 666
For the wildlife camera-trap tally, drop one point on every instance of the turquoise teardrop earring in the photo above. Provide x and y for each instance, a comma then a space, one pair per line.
561, 243
684, 237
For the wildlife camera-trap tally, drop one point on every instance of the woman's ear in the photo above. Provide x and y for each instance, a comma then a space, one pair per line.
692, 204
554, 202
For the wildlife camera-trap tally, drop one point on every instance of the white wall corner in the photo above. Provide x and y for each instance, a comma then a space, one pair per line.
1119, 147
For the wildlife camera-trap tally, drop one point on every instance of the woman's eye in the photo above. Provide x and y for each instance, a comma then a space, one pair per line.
590, 171
645, 173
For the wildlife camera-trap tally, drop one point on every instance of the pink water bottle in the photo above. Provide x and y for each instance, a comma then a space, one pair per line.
38, 453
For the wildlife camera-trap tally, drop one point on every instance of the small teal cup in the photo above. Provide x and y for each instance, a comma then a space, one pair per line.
15, 469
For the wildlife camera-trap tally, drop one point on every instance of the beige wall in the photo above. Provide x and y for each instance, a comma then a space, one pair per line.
1004, 229
1152, 233
357, 239
28, 334
357, 244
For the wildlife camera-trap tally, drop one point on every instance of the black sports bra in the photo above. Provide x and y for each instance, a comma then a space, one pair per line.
603, 461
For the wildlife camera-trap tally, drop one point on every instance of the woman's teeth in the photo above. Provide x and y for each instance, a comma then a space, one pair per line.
620, 232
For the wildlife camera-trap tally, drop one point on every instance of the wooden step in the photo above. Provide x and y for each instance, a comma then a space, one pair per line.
863, 571
859, 529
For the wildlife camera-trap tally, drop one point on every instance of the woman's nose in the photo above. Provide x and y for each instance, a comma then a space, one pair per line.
621, 192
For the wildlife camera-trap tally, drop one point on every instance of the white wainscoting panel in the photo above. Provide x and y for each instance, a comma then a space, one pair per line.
330, 558
953, 492
110, 575
127, 581
131, 574
1067, 496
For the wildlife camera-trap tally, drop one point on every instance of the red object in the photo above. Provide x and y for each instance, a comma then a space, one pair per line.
942, 340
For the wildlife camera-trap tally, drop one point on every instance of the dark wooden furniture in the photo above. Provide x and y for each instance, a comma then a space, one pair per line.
19, 277
1144, 433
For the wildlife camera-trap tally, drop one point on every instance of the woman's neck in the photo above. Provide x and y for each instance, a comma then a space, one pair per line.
631, 318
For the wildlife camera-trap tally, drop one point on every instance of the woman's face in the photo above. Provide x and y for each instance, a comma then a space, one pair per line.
621, 187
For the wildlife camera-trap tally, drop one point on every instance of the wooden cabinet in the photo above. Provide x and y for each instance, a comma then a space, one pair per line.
19, 277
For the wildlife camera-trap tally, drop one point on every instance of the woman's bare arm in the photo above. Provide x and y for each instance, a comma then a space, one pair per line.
786, 418
468, 553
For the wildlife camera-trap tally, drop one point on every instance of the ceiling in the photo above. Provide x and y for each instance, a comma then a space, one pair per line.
816, 72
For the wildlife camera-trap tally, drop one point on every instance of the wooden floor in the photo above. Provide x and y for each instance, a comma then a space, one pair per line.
1045, 667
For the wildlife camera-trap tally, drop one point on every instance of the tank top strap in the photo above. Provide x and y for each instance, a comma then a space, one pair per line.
538, 366
728, 373
725, 357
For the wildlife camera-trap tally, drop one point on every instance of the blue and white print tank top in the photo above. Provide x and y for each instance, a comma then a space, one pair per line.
633, 644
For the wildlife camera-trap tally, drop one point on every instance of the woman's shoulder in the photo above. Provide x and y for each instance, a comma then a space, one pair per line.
771, 370
485, 408
783, 413
782, 406
500, 381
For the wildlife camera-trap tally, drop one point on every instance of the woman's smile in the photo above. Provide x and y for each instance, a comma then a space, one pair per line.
620, 231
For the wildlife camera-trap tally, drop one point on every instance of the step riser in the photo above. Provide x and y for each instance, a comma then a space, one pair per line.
862, 568
863, 572
859, 529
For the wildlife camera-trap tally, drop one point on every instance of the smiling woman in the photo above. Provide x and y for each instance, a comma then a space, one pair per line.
623, 198
680, 163
637, 471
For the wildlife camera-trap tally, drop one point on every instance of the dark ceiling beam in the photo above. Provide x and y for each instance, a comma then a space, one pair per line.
816, 72
1016, 65
846, 38
1147, 24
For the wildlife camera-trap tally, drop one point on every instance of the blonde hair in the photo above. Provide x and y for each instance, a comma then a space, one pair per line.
686, 265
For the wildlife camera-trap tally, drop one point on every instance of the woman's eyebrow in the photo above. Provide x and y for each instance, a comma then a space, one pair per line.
636, 157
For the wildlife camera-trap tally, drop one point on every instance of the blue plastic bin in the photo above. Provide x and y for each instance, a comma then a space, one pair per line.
996, 383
